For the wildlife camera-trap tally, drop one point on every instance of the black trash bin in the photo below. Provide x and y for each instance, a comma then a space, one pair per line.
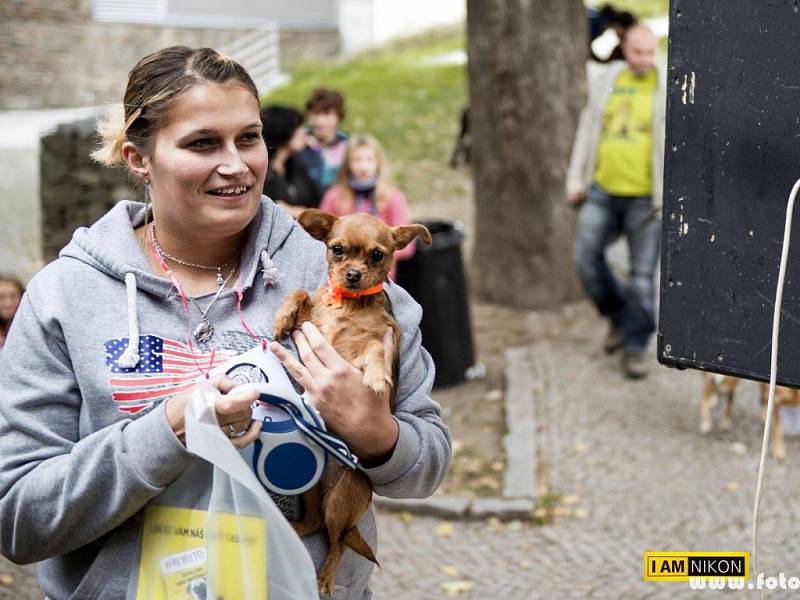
434, 277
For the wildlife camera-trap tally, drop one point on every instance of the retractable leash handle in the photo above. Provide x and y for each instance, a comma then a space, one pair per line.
305, 417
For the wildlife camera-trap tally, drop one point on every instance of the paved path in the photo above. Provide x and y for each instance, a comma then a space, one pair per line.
633, 457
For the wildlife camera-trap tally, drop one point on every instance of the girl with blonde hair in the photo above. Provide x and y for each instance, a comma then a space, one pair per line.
364, 185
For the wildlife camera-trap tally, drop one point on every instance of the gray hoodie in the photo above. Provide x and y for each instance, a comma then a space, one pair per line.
84, 442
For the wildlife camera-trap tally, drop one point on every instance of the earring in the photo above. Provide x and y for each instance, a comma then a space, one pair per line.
147, 180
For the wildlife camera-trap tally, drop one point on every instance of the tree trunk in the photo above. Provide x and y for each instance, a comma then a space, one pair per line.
527, 80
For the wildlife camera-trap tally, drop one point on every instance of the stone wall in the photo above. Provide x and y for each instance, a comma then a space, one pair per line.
74, 189
53, 54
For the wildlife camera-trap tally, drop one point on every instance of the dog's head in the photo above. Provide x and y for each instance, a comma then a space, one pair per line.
360, 247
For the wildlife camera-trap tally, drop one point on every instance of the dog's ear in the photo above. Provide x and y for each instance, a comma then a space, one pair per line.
317, 222
405, 234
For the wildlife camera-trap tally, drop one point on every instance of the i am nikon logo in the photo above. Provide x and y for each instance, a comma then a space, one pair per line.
680, 566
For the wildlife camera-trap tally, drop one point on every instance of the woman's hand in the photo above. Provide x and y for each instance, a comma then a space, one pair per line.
363, 419
233, 412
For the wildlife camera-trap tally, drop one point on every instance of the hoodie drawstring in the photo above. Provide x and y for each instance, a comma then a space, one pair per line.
270, 271
130, 357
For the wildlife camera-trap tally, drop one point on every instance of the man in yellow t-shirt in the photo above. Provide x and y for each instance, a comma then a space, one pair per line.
615, 178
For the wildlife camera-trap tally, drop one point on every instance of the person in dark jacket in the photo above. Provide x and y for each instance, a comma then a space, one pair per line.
288, 182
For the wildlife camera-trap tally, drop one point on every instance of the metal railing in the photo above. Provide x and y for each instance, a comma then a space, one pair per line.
259, 51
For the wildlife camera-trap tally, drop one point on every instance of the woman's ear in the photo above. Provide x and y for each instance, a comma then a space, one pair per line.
136, 161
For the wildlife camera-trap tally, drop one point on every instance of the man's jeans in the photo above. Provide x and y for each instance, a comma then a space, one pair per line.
602, 219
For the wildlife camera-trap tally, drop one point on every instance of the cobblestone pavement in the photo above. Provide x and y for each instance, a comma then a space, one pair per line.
632, 457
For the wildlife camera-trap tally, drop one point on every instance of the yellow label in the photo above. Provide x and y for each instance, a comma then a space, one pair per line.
680, 566
187, 552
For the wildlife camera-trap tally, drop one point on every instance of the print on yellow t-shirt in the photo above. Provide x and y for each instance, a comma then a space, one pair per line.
624, 154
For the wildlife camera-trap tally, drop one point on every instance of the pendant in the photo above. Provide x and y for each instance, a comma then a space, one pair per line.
204, 331
220, 280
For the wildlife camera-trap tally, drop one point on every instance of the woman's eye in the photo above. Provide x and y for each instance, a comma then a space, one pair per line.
202, 143
337, 250
251, 138
377, 255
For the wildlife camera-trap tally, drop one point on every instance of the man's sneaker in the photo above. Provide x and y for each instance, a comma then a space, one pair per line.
634, 364
613, 341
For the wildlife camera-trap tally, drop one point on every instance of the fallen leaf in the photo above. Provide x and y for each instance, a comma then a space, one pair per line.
540, 513
445, 529
454, 588
569, 500
495, 524
498, 466
579, 447
581, 513
6, 580
739, 448
732, 486
514, 525
526, 564
450, 570
562, 511
494, 395
406, 516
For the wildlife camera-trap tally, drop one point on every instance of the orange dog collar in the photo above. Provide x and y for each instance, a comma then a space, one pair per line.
337, 293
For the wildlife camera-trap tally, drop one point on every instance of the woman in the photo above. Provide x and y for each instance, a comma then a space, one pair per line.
80, 453
364, 185
288, 182
11, 290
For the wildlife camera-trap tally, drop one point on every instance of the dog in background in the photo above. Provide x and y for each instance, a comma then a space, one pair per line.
784, 396
714, 386
353, 314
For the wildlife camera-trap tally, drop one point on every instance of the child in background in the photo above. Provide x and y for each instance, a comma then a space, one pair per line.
364, 186
11, 290
325, 144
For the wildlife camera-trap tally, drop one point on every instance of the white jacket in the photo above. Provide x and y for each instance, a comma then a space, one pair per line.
584, 150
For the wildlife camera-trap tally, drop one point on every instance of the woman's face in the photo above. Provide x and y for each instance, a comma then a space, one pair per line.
9, 300
363, 163
208, 162
298, 140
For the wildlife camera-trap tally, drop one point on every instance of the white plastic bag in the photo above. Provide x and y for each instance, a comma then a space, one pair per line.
215, 532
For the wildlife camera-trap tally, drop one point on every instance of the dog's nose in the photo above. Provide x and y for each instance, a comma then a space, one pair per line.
353, 276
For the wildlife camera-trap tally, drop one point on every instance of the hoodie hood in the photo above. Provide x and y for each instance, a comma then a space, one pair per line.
111, 247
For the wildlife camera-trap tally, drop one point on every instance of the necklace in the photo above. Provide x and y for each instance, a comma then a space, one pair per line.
220, 279
205, 330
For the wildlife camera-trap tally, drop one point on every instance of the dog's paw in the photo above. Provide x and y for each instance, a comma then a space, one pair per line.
284, 325
778, 452
326, 584
376, 381
705, 426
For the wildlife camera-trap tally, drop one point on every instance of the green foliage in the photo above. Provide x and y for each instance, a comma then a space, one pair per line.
395, 94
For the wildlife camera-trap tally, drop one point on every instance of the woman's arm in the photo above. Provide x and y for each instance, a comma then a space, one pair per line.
59, 492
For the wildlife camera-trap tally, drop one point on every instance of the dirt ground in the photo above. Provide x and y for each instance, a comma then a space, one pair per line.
474, 410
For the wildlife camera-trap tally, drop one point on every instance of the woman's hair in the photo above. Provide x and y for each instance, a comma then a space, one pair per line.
153, 84
21, 288
323, 100
347, 199
279, 124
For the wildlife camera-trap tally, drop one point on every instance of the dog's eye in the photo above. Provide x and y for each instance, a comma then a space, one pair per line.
337, 250
377, 255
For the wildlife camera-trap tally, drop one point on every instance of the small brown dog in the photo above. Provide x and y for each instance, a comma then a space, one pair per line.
351, 312
784, 396
714, 386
